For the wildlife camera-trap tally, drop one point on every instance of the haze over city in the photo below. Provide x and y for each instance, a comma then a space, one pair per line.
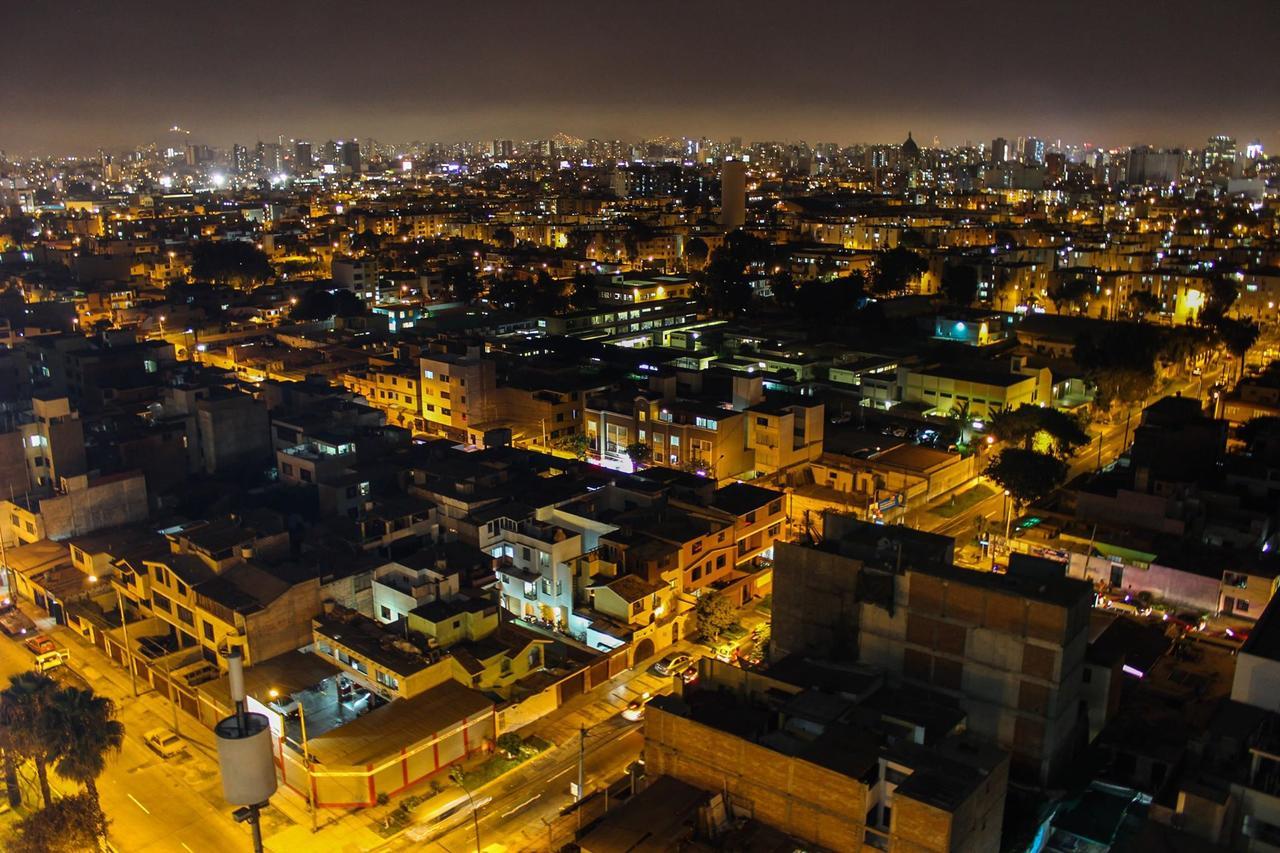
117, 74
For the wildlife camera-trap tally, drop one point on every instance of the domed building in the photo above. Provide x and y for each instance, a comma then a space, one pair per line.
909, 149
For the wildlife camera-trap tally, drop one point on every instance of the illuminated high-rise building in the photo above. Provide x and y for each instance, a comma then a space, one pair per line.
1219, 155
1033, 151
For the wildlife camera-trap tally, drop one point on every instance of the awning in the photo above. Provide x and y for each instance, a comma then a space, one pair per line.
1129, 556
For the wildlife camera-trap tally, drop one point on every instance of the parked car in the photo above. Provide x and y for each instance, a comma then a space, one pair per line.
286, 705
690, 675
14, 622
49, 655
673, 664
165, 743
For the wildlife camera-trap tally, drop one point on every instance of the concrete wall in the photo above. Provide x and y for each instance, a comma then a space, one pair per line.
795, 796
109, 503
285, 625
1165, 584
813, 604
233, 431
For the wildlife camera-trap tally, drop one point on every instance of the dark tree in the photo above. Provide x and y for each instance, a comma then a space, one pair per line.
321, 304
1073, 289
69, 825
696, 252
83, 731
1027, 476
583, 293
504, 237
827, 307
639, 453
1144, 302
725, 282
229, 262
960, 284
896, 269
462, 281
1120, 363
1238, 336
783, 286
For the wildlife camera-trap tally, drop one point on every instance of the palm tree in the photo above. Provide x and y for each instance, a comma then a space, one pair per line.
82, 731
22, 706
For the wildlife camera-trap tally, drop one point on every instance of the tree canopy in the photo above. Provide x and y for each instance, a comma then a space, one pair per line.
1121, 363
714, 613
230, 262
69, 825
896, 269
462, 281
960, 284
321, 304
1028, 423
1028, 476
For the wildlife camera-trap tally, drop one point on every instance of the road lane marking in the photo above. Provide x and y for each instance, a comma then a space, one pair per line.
185, 847
522, 805
138, 804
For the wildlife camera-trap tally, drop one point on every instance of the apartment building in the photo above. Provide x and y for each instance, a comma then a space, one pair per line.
532, 561
1009, 649
212, 594
458, 641
458, 393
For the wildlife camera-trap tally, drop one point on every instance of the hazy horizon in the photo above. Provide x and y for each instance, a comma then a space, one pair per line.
117, 75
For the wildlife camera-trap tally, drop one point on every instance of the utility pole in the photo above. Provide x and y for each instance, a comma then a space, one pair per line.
582, 762
128, 649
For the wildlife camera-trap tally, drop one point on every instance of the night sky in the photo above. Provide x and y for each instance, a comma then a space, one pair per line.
117, 73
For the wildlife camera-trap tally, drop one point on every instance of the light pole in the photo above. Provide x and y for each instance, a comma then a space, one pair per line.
1008, 519
458, 777
124, 627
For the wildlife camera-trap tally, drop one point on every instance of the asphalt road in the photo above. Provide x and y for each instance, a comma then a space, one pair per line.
154, 805
525, 798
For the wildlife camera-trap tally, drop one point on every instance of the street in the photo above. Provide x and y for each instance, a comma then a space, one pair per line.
1108, 442
153, 805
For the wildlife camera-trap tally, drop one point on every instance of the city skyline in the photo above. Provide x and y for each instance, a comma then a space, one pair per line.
853, 75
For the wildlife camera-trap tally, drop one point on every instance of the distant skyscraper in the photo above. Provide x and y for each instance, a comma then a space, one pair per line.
240, 160
999, 150
349, 155
302, 163
733, 194
1220, 155
1033, 151
1148, 166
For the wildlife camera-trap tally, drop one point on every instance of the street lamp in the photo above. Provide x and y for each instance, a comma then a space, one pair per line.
124, 627
306, 755
1008, 519
458, 777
